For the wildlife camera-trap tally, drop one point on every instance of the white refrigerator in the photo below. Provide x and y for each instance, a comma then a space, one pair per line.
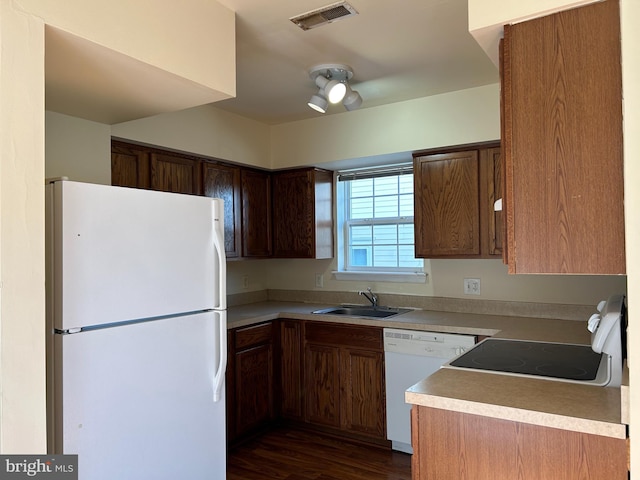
136, 309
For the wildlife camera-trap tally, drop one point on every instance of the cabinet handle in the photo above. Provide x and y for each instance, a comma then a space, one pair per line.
218, 378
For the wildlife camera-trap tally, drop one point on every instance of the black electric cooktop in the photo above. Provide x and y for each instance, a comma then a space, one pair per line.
556, 360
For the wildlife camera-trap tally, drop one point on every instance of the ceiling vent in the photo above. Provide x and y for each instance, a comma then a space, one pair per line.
324, 15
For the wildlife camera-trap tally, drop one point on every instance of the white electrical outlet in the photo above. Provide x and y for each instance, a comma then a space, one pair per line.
472, 286
319, 280
245, 281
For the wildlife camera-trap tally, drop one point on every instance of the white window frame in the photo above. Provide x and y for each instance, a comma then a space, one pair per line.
345, 270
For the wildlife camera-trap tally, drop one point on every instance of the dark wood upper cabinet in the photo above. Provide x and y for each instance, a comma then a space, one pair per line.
491, 223
303, 213
454, 195
223, 181
171, 173
256, 213
129, 166
447, 204
562, 142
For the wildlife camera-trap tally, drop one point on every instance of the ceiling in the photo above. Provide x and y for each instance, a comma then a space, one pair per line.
86, 80
398, 50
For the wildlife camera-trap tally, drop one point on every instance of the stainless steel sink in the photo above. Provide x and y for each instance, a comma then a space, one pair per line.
362, 311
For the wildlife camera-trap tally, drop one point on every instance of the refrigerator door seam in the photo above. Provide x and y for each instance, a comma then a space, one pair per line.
102, 326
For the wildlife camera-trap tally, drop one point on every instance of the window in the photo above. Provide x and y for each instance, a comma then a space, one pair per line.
377, 221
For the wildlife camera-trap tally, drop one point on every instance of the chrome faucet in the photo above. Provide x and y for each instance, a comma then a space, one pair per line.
372, 297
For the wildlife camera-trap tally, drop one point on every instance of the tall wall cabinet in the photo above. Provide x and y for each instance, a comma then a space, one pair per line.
562, 142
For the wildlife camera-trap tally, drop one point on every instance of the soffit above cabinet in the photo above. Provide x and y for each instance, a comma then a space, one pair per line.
90, 81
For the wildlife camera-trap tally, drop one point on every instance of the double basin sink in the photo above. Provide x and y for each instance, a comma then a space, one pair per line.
362, 311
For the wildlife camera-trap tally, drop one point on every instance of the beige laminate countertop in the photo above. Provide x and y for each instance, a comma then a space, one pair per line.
581, 408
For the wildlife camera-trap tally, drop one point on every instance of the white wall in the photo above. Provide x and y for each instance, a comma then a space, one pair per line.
630, 13
203, 130
196, 37
465, 116
445, 279
484, 13
77, 149
487, 17
22, 302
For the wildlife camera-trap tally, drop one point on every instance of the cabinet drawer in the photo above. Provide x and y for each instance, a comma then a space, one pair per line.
351, 336
253, 335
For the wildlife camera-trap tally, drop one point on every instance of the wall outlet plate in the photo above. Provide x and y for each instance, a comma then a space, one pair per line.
245, 281
319, 280
472, 286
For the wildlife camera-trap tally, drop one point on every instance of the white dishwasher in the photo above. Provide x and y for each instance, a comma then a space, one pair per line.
410, 356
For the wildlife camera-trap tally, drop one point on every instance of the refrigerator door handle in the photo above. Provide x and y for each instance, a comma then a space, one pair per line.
218, 379
218, 243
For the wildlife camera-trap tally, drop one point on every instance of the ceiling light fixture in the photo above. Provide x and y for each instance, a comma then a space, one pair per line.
332, 80
352, 99
319, 102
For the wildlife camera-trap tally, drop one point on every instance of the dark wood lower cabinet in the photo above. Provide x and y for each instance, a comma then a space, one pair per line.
458, 446
254, 388
322, 371
344, 379
291, 391
363, 392
250, 380
321, 376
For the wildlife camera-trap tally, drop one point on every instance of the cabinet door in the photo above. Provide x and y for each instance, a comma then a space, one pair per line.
490, 190
303, 214
129, 166
563, 142
363, 390
461, 446
223, 181
447, 211
256, 213
254, 388
293, 214
291, 369
322, 379
174, 174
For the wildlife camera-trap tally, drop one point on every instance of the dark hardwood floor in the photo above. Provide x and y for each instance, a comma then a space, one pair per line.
291, 454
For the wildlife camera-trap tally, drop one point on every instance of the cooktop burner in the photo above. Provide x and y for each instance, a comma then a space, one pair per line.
555, 360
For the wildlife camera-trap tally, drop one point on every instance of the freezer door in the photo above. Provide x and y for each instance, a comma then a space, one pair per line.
122, 253
137, 402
